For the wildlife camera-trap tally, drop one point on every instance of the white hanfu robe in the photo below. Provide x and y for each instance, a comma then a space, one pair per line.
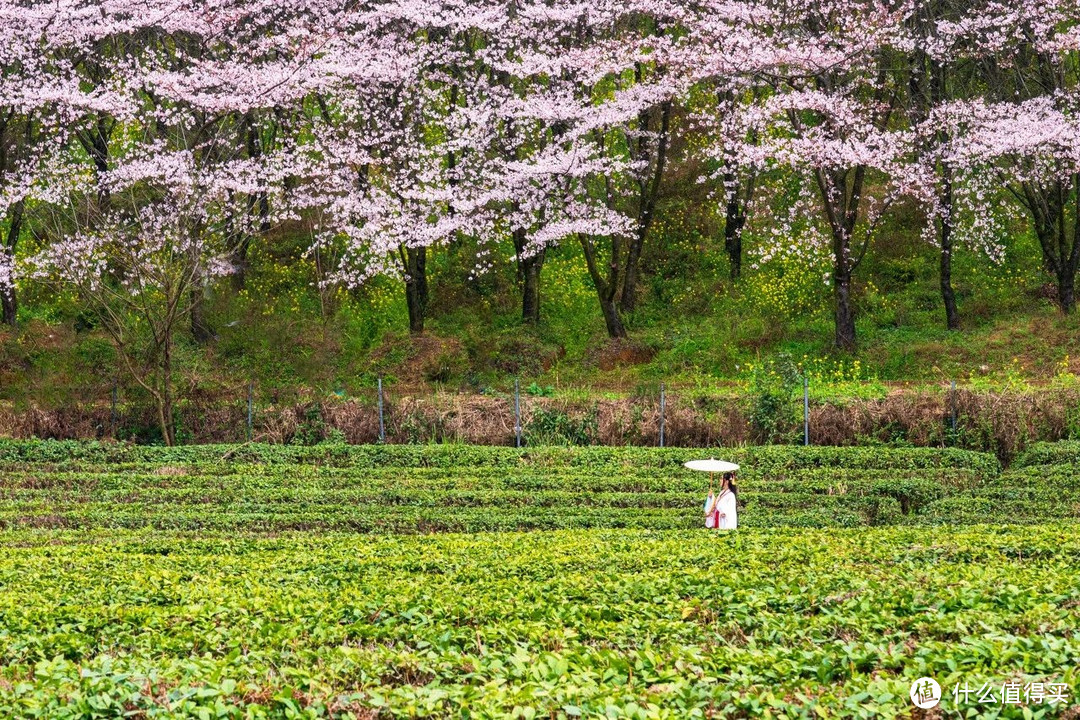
711, 515
726, 514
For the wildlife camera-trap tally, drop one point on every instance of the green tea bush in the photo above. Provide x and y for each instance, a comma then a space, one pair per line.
1043, 453
663, 624
554, 427
771, 458
464, 488
773, 389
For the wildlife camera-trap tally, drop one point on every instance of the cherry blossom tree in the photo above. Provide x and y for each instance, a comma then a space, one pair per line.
1022, 131
607, 91
173, 182
392, 144
146, 146
829, 112
727, 61
932, 80
40, 101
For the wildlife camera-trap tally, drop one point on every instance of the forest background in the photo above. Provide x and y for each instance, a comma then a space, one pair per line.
203, 202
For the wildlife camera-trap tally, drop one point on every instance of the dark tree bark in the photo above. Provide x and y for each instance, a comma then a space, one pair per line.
8, 300
528, 277
740, 192
1058, 235
929, 89
1067, 294
739, 196
841, 192
612, 320
165, 401
605, 287
95, 141
416, 286
841, 200
649, 192
530, 289
258, 205
946, 224
734, 220
845, 311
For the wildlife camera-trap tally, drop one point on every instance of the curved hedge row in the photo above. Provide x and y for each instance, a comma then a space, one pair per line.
443, 488
771, 459
1043, 453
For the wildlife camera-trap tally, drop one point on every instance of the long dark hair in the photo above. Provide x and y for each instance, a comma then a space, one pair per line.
729, 477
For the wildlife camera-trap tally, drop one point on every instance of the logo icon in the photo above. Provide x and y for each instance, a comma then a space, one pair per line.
925, 693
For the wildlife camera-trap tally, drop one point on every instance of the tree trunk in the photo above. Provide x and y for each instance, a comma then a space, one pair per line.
929, 86
952, 317
95, 141
1059, 235
605, 288
841, 204
8, 300
416, 287
646, 211
845, 312
416, 308
630, 276
238, 279
165, 398
1070, 253
528, 277
612, 319
1067, 293
259, 202
735, 219
530, 288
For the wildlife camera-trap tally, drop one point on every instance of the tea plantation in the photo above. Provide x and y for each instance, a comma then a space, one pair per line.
455, 581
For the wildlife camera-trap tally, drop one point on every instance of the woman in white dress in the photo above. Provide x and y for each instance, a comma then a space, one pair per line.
720, 510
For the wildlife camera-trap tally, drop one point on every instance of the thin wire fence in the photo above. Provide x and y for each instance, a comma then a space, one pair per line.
379, 412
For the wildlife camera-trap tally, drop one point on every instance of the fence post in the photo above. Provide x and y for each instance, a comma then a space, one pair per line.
250, 409
113, 420
382, 425
806, 410
663, 404
517, 414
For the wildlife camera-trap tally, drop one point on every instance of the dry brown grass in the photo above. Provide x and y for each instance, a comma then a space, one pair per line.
1000, 422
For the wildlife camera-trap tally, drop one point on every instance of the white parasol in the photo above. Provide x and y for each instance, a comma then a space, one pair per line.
711, 466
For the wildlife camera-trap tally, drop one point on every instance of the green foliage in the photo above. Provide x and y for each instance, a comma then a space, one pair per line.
289, 332
773, 388
313, 429
467, 488
554, 427
1059, 453
771, 459
788, 287
539, 391
608, 623
178, 582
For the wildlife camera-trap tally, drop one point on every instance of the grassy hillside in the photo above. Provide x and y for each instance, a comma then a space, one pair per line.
695, 327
